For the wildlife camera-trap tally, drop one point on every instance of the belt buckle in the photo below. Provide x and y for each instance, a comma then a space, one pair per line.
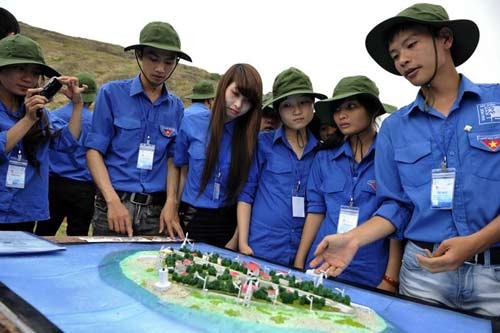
473, 260
149, 198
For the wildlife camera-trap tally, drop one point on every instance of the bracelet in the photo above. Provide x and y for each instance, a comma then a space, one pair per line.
391, 281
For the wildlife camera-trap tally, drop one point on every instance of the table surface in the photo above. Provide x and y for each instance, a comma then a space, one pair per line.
69, 288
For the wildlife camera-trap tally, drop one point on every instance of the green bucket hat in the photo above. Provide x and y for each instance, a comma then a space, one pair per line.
89, 95
292, 81
349, 86
389, 108
202, 90
160, 35
465, 33
267, 107
19, 49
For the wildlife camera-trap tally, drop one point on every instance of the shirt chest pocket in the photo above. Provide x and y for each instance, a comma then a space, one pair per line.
334, 189
279, 172
128, 132
484, 155
414, 163
167, 135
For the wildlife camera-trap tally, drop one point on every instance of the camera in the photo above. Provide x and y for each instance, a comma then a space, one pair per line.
49, 90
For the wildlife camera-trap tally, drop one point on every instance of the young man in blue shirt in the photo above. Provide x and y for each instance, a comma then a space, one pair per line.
71, 189
132, 141
202, 97
436, 167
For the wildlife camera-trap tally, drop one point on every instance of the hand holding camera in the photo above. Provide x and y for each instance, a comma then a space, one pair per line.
37, 98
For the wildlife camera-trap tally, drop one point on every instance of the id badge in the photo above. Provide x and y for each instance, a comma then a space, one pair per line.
298, 206
216, 193
16, 173
442, 188
146, 156
348, 219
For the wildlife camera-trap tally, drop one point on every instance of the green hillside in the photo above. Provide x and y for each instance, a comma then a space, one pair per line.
70, 55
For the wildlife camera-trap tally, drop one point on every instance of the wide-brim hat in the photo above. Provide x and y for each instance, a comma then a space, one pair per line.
160, 35
89, 95
292, 81
202, 90
19, 49
465, 33
348, 87
389, 108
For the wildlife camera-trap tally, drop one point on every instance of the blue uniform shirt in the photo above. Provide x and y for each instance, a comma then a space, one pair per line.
407, 152
70, 165
335, 177
190, 150
30, 203
124, 117
196, 108
277, 175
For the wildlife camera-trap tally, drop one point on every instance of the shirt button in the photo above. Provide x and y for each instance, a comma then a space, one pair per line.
452, 153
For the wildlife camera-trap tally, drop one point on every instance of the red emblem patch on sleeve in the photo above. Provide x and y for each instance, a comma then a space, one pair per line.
372, 184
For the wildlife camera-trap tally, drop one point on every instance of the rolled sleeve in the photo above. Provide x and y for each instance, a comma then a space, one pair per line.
394, 205
101, 131
247, 194
179, 110
65, 141
3, 142
315, 201
181, 146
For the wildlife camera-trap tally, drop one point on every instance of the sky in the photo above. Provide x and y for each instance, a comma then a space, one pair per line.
323, 38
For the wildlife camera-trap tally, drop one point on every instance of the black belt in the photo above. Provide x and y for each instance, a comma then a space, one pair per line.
477, 259
144, 199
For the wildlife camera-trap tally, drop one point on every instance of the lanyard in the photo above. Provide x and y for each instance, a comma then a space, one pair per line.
144, 113
355, 180
443, 146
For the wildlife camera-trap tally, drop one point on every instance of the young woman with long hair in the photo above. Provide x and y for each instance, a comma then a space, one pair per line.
215, 150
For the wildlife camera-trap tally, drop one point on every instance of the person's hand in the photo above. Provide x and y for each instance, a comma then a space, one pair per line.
169, 220
34, 102
72, 89
246, 249
450, 254
119, 218
334, 253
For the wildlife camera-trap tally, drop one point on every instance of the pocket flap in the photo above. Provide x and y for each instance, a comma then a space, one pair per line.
333, 185
127, 123
413, 152
489, 142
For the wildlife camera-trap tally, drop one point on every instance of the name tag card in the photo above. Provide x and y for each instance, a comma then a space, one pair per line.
146, 156
442, 188
348, 219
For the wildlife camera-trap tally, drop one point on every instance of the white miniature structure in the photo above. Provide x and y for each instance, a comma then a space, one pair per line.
341, 291
163, 283
318, 277
237, 286
310, 298
187, 241
204, 279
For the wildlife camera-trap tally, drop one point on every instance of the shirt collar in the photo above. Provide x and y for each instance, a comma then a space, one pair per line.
137, 88
312, 142
465, 86
345, 149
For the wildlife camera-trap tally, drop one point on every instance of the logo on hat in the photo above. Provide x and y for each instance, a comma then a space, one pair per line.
489, 113
490, 141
